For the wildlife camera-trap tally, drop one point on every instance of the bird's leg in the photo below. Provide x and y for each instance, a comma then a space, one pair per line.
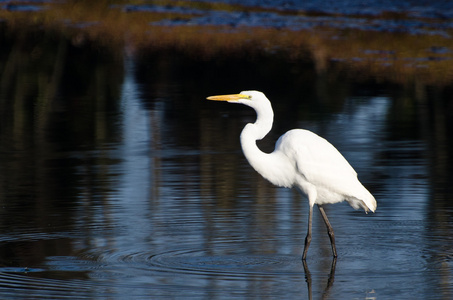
329, 230
308, 237
326, 293
308, 279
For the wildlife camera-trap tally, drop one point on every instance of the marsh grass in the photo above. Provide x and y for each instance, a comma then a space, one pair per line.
389, 56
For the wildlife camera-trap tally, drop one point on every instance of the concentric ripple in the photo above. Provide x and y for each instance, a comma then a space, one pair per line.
229, 265
108, 273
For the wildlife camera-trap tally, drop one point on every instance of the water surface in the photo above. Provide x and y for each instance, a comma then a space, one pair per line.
118, 179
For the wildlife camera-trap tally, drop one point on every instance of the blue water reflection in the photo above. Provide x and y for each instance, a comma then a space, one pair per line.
163, 203
201, 221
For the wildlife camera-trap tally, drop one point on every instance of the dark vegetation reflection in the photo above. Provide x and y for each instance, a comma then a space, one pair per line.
69, 180
58, 110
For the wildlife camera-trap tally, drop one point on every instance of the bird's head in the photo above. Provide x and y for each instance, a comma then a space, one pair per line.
249, 98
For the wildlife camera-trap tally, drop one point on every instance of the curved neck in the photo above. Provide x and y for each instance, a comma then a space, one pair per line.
266, 164
257, 131
249, 135
263, 123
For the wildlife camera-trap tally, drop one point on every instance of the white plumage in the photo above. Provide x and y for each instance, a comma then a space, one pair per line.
303, 160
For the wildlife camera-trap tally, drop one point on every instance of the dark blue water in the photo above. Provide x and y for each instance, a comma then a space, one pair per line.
119, 180
416, 8
159, 201
413, 17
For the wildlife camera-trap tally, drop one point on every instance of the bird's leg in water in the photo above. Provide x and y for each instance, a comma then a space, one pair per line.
308, 237
326, 293
329, 230
308, 279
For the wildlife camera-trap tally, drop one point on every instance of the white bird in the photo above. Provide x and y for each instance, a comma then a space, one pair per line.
302, 160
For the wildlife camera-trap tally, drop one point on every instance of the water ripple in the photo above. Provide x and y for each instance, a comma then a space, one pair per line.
226, 265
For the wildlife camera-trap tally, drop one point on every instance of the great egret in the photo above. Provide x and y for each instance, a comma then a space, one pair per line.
303, 160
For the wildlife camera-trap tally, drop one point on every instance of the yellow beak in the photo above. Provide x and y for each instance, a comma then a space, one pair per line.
233, 97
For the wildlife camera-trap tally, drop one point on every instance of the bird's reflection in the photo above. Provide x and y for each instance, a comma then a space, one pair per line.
330, 281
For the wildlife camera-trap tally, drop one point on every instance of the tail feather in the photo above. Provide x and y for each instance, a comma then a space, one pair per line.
369, 201
370, 204
365, 200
